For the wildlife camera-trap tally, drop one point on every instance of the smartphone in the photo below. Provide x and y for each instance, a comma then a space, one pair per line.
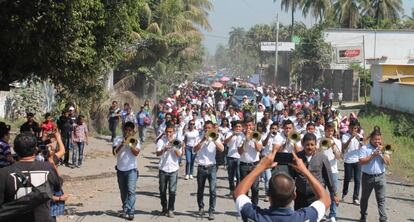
283, 158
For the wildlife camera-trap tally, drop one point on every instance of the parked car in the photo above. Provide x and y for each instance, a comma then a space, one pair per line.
238, 95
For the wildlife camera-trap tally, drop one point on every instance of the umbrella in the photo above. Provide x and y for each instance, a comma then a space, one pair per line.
225, 79
217, 85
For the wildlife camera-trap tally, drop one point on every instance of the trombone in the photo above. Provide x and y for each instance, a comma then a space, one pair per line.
326, 143
294, 137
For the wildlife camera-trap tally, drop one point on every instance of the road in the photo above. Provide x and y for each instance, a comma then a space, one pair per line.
94, 194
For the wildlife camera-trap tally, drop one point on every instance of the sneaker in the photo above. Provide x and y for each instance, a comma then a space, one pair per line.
78, 166
170, 214
201, 212
356, 202
122, 215
187, 177
332, 219
266, 199
343, 197
210, 216
191, 177
130, 217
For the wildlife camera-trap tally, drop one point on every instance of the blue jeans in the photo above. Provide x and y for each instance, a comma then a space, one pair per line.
68, 146
127, 181
189, 160
233, 170
332, 210
78, 150
377, 183
245, 169
170, 180
206, 173
141, 132
352, 170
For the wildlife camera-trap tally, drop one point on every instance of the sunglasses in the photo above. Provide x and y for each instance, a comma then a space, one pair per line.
192, 124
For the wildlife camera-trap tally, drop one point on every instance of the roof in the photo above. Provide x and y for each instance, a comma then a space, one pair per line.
370, 30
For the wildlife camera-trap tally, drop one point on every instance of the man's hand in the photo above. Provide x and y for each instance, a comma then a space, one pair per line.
336, 198
298, 164
268, 161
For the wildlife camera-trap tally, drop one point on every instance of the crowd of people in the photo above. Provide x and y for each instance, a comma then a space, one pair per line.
290, 140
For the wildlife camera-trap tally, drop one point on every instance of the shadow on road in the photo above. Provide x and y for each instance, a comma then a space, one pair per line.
401, 198
345, 219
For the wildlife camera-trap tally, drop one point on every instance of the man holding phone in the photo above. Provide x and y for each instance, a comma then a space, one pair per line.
282, 194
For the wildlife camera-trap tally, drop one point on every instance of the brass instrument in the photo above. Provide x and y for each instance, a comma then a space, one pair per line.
388, 149
256, 136
131, 142
326, 143
176, 144
212, 135
294, 137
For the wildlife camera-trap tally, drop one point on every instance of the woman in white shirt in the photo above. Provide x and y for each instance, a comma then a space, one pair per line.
190, 139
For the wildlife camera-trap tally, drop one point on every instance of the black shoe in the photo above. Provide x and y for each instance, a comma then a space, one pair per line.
122, 215
201, 212
164, 212
210, 216
129, 217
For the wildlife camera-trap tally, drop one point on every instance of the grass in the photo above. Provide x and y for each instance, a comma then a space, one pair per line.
403, 156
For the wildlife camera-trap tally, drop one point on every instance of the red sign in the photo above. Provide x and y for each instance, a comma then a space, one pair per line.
350, 53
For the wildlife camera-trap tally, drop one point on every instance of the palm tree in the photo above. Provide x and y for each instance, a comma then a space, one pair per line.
292, 5
385, 9
318, 8
348, 12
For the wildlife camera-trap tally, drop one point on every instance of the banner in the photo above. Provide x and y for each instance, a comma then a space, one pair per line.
349, 54
281, 46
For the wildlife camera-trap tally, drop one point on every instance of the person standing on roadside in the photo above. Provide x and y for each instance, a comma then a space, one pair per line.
126, 167
31, 126
113, 119
65, 126
80, 139
143, 120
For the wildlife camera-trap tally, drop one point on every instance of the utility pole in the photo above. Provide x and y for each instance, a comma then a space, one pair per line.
364, 65
276, 48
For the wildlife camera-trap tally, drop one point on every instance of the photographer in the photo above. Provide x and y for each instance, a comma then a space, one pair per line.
37, 173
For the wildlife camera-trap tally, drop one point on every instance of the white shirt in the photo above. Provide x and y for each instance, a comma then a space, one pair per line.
221, 105
320, 130
281, 140
279, 106
207, 153
269, 147
250, 154
234, 144
191, 137
125, 159
259, 116
235, 117
351, 154
168, 160
331, 156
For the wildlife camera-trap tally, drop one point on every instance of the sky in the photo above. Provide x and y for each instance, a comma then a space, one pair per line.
246, 13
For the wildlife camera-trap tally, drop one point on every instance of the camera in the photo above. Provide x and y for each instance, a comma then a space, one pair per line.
44, 148
283, 158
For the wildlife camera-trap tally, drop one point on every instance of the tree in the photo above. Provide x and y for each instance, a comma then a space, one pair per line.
310, 57
348, 12
318, 8
292, 5
385, 9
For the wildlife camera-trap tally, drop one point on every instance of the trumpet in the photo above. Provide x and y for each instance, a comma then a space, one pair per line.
176, 144
212, 135
256, 136
294, 137
131, 141
388, 149
326, 143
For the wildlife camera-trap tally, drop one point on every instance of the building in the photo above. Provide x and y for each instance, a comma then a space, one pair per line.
393, 84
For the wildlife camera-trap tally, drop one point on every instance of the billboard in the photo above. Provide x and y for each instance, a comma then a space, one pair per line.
281, 46
349, 54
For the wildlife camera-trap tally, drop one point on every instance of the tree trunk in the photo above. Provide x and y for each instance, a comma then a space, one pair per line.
293, 19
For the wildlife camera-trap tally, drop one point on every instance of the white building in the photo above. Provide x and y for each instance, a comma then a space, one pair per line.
395, 45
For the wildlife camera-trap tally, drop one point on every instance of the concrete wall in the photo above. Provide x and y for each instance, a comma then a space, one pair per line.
393, 96
394, 44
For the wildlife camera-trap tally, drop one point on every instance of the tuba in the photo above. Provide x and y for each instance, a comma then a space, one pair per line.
294, 137
212, 135
388, 149
131, 141
326, 143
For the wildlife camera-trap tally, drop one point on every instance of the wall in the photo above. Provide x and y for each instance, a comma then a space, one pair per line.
393, 96
394, 44
3, 96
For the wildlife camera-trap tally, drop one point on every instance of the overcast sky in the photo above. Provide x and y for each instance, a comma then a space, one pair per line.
246, 13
